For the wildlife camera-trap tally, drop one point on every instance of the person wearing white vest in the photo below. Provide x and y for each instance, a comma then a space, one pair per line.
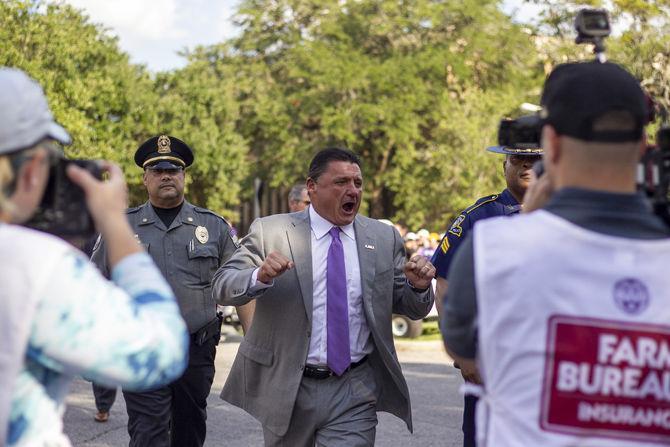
566, 310
59, 317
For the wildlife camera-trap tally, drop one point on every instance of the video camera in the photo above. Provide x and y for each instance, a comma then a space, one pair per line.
653, 177
63, 211
592, 26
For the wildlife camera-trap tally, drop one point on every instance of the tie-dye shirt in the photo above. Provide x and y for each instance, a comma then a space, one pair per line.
126, 332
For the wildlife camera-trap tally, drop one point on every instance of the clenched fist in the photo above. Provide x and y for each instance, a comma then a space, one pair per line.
419, 272
274, 265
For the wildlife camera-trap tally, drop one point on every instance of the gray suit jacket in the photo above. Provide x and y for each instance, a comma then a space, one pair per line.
268, 368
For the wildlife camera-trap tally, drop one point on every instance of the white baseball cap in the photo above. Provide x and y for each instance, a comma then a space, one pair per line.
25, 118
411, 236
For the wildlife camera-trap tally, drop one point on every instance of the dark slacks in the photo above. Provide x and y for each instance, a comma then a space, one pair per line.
175, 415
104, 397
469, 433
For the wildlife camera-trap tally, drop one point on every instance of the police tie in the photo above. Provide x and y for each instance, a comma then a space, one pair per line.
337, 309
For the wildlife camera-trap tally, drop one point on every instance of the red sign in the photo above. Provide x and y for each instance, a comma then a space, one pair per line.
607, 379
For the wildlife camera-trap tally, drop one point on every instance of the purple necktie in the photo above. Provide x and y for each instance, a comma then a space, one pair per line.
339, 357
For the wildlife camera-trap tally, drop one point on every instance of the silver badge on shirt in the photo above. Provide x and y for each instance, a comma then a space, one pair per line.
202, 234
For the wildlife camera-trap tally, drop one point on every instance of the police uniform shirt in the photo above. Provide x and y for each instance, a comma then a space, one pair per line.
187, 253
621, 215
502, 204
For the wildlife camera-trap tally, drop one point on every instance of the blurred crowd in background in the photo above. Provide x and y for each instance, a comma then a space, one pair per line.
423, 241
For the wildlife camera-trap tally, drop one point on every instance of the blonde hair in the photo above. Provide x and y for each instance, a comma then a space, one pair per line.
8, 176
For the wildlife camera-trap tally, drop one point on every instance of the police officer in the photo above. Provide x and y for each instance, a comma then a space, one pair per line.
563, 352
188, 244
517, 170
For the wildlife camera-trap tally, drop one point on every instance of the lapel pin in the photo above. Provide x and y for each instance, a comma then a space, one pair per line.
369, 247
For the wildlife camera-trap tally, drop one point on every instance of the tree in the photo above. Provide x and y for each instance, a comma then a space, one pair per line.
200, 103
397, 82
110, 105
640, 40
105, 102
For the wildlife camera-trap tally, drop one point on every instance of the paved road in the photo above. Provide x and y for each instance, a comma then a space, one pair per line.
433, 385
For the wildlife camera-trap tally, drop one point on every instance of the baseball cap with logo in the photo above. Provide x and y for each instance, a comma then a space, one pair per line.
25, 118
576, 94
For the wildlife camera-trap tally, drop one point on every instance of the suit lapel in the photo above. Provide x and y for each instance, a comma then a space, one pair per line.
299, 235
367, 255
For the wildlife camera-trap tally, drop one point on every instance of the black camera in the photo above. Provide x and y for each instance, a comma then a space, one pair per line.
654, 174
521, 133
593, 26
63, 211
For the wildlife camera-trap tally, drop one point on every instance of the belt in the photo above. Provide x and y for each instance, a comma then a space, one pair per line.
323, 372
211, 329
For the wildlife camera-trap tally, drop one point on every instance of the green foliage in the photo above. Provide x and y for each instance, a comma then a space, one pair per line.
110, 105
200, 104
640, 40
417, 87
103, 100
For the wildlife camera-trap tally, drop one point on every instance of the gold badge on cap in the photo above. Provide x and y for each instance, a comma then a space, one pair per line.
163, 145
202, 234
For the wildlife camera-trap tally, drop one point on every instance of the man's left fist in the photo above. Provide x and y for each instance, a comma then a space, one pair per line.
419, 272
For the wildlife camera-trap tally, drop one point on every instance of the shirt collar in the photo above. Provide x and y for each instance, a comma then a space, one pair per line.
507, 198
593, 201
321, 226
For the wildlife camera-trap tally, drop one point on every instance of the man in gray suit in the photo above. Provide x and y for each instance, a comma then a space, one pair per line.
319, 360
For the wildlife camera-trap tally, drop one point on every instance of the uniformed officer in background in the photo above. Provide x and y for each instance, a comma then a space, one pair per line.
188, 244
517, 170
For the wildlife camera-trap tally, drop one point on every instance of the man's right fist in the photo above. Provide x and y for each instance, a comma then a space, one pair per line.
274, 265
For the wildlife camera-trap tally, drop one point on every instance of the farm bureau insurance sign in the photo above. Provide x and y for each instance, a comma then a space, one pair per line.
607, 378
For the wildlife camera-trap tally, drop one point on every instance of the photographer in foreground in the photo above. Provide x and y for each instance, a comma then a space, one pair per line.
60, 317
573, 354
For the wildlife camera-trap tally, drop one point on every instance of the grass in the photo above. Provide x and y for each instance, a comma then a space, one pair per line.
431, 331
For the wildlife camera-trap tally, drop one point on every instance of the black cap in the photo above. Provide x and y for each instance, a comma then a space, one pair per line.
164, 152
575, 95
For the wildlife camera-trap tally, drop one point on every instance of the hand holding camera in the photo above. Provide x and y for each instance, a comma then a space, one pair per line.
106, 200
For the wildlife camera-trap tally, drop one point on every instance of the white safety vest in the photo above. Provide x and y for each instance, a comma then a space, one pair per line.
574, 335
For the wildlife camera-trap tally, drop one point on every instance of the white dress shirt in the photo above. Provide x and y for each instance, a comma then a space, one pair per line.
359, 333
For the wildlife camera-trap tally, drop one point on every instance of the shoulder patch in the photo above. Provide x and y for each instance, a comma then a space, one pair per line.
456, 229
444, 246
480, 202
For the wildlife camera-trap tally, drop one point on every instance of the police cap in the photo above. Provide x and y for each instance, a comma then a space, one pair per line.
536, 151
164, 152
